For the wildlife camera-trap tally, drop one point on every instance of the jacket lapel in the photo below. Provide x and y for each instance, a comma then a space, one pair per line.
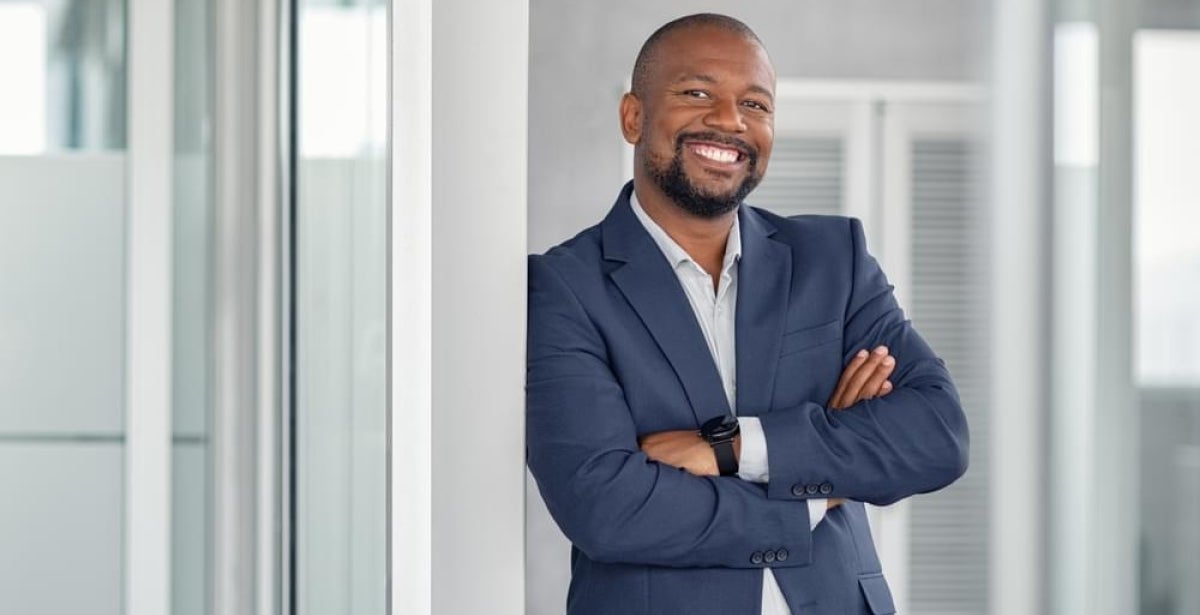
764, 287
650, 285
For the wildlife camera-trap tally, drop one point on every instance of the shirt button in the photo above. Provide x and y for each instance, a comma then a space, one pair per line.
769, 557
781, 555
756, 558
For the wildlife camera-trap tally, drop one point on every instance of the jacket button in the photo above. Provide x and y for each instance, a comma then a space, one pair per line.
811, 489
826, 488
756, 558
781, 555
769, 557
797, 490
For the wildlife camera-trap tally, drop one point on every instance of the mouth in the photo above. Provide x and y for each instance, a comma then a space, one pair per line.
720, 155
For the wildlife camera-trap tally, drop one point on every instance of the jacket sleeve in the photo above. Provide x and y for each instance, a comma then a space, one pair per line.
608, 497
913, 440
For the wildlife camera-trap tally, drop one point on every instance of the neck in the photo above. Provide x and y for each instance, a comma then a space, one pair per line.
703, 239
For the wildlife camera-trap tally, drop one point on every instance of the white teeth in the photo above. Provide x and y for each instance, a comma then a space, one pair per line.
717, 154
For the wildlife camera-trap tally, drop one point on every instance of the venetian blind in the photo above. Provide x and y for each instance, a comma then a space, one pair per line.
805, 177
949, 529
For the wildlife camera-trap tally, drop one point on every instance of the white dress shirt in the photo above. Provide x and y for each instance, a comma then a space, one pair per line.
714, 310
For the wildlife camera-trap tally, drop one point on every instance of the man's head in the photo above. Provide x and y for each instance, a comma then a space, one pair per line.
701, 113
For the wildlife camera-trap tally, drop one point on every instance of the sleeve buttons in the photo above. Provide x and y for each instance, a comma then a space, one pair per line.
781, 555
826, 488
811, 489
797, 490
769, 557
756, 558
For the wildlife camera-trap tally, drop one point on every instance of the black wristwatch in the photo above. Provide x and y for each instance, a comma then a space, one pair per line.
720, 432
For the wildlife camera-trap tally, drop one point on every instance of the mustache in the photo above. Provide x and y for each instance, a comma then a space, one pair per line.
720, 139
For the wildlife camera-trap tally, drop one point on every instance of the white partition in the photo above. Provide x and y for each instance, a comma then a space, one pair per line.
62, 250
62, 352
60, 528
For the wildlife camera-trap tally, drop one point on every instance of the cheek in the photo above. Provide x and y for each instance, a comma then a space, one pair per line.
765, 146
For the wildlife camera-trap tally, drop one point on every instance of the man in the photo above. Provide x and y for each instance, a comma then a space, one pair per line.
680, 352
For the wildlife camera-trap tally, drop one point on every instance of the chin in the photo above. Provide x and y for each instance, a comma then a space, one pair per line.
723, 192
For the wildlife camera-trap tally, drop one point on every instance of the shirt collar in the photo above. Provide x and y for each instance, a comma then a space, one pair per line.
675, 254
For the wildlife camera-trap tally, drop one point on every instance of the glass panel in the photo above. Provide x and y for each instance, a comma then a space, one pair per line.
62, 311
1167, 300
340, 311
192, 359
66, 59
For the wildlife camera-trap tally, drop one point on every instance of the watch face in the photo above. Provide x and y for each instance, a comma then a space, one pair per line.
719, 428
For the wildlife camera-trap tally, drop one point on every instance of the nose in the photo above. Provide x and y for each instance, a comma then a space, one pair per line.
726, 115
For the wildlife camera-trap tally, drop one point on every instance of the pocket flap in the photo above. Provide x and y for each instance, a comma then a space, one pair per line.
879, 597
801, 339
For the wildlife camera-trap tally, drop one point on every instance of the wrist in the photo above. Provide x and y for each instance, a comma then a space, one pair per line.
721, 433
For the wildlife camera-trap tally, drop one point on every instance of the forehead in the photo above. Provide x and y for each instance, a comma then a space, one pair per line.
712, 52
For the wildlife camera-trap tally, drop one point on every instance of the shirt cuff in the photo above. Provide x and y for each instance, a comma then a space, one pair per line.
752, 465
816, 512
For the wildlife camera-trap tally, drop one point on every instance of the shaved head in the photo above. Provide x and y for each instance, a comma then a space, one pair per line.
649, 56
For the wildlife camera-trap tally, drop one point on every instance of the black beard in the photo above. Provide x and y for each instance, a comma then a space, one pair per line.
674, 182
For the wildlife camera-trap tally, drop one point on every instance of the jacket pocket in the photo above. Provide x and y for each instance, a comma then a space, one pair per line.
803, 339
879, 597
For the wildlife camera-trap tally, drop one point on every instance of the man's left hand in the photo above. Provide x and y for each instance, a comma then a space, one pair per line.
865, 377
685, 449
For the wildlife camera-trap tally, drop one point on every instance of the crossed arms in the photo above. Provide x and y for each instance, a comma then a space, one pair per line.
865, 377
616, 503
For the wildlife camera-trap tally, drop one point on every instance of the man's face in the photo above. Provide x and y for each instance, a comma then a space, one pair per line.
704, 124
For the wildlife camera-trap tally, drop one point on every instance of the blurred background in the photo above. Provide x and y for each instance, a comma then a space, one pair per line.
200, 203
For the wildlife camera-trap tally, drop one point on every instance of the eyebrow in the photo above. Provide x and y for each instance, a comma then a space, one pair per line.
710, 79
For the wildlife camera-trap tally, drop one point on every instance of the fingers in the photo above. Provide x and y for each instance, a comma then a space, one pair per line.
836, 401
865, 377
877, 380
857, 389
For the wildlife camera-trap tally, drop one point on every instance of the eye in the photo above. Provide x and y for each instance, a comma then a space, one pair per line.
697, 94
757, 106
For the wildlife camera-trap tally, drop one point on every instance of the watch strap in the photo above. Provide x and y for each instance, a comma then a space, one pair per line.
727, 462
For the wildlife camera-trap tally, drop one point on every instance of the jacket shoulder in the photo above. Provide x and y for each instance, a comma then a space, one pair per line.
824, 222
820, 229
577, 255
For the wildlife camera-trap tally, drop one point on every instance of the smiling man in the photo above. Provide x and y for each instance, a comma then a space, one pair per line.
713, 390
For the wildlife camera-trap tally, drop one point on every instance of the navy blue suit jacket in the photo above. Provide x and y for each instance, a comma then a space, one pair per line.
615, 352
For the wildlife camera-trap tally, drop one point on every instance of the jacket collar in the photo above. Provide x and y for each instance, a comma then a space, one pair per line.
647, 280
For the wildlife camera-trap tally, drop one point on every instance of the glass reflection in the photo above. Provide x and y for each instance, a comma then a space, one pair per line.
340, 311
67, 59
1167, 300
63, 243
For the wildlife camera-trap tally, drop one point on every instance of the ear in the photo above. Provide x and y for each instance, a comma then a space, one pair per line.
631, 118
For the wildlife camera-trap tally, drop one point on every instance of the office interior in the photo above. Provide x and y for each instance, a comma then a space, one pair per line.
262, 288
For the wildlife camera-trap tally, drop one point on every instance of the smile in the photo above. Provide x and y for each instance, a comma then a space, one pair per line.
716, 153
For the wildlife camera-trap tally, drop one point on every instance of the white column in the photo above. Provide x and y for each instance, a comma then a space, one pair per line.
459, 105
1019, 217
410, 356
479, 290
1073, 373
238, 177
270, 320
148, 323
1116, 495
